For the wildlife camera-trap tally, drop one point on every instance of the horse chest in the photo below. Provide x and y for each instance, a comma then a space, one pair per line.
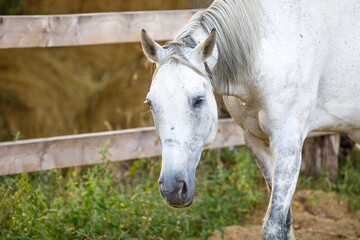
244, 115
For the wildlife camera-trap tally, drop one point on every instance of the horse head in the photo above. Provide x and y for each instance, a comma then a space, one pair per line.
184, 109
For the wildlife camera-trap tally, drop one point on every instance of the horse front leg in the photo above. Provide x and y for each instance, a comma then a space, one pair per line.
286, 172
261, 152
286, 138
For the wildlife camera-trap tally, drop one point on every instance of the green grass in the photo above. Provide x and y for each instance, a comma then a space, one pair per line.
92, 204
347, 184
10, 7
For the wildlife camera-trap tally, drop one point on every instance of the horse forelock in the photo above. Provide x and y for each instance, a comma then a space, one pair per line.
174, 49
237, 32
176, 53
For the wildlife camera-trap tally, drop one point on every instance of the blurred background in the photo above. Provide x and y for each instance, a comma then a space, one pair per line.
48, 92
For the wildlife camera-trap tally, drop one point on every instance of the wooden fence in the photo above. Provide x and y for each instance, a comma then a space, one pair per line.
84, 29
83, 149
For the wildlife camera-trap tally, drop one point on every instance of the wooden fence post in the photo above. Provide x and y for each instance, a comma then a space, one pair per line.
321, 152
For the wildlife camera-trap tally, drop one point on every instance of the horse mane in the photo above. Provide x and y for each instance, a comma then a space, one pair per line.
237, 32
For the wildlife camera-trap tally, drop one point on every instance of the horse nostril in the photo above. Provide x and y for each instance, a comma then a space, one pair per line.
183, 190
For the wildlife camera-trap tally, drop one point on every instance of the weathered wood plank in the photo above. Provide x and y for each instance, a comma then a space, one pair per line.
83, 149
86, 29
320, 152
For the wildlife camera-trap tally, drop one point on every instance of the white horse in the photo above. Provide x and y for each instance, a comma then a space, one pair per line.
284, 68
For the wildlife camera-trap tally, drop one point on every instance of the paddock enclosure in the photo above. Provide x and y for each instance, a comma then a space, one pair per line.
73, 77
30, 34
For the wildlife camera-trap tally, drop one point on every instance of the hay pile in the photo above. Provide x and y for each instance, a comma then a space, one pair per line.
58, 91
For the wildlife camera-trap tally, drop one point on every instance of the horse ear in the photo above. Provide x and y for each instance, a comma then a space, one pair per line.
151, 49
206, 47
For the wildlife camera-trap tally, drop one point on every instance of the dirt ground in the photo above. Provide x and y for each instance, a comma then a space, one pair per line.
317, 215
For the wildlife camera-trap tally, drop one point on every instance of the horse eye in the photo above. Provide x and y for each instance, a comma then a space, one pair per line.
198, 101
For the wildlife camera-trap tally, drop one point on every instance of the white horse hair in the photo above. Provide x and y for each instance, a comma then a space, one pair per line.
237, 29
284, 69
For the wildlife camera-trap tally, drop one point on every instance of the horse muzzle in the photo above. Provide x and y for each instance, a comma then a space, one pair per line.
176, 192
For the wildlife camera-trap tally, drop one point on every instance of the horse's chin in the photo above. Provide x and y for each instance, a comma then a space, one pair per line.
181, 206
179, 203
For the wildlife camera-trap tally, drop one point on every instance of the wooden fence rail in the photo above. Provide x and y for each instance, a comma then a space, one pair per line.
85, 29
83, 149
